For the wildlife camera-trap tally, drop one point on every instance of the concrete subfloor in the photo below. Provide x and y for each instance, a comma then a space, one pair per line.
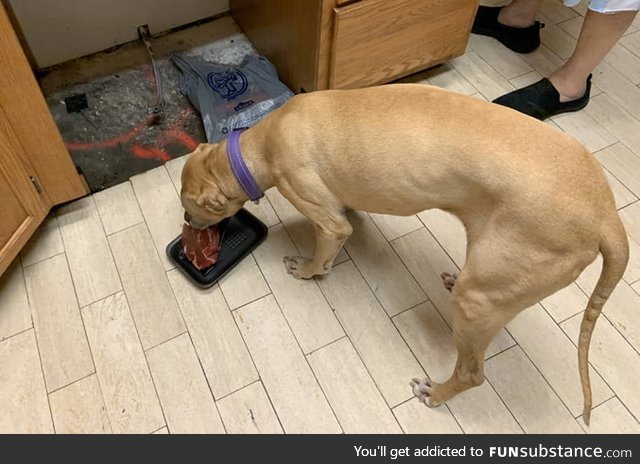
116, 136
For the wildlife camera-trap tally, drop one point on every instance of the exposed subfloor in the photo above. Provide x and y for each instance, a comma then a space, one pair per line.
100, 333
101, 104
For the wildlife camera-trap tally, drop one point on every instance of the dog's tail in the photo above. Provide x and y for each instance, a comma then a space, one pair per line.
614, 248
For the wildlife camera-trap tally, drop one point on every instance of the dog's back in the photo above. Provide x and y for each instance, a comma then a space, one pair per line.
421, 142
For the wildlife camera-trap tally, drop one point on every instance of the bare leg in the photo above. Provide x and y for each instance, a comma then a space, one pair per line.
520, 13
567, 88
600, 32
514, 25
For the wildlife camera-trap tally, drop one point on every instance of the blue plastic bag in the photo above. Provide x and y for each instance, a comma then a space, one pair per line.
230, 97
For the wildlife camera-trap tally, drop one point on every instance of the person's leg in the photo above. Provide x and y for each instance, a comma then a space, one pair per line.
519, 13
600, 32
513, 25
568, 88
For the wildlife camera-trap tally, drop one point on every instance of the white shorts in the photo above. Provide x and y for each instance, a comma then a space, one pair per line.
608, 6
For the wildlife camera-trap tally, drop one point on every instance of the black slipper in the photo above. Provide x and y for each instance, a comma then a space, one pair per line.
518, 39
541, 100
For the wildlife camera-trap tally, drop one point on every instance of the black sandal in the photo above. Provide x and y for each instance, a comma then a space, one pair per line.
541, 100
518, 39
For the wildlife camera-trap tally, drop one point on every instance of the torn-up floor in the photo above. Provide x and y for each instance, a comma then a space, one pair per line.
102, 103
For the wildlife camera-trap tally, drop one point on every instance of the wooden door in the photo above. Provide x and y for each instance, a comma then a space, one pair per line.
22, 207
36, 171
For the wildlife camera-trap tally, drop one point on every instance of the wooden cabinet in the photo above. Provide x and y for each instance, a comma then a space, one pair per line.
321, 44
22, 209
36, 171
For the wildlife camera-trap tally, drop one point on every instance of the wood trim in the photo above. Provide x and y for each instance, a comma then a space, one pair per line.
20, 34
286, 33
326, 41
26, 110
11, 249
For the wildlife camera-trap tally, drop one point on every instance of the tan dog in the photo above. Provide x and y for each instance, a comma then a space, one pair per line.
535, 203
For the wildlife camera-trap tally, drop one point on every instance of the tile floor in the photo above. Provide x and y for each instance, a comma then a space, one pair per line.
100, 333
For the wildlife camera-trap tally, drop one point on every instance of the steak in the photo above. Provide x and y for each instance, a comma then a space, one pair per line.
201, 247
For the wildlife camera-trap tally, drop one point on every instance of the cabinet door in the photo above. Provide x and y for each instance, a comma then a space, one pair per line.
29, 117
36, 171
375, 41
21, 206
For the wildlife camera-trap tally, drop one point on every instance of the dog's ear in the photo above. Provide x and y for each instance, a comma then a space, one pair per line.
212, 201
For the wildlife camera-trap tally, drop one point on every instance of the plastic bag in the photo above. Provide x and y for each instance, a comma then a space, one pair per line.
230, 97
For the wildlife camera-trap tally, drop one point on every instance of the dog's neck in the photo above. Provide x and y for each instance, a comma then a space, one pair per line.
252, 150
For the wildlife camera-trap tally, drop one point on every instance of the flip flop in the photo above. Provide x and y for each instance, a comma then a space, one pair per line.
518, 39
541, 100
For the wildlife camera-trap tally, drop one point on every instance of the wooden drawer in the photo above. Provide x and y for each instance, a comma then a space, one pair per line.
375, 41
320, 44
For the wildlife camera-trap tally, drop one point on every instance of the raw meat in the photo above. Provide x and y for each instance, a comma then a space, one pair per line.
201, 247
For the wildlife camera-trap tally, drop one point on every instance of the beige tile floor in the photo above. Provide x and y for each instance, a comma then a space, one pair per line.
100, 333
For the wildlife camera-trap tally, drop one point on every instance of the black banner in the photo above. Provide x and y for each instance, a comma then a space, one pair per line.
306, 449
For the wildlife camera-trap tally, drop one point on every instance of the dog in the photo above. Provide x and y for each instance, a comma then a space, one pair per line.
535, 204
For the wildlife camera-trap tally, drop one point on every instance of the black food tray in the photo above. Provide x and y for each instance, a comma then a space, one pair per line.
240, 235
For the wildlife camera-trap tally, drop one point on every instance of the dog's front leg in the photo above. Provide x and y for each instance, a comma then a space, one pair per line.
326, 212
328, 245
332, 230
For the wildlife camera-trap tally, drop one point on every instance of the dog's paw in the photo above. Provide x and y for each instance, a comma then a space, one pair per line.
423, 390
296, 266
448, 280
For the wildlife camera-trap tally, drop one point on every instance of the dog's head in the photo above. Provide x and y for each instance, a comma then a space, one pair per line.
203, 194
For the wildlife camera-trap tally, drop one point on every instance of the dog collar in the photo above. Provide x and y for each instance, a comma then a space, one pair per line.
240, 169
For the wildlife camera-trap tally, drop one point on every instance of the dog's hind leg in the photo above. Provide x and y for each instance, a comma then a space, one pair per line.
497, 283
449, 280
475, 324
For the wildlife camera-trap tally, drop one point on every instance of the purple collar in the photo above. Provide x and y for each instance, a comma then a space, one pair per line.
240, 169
